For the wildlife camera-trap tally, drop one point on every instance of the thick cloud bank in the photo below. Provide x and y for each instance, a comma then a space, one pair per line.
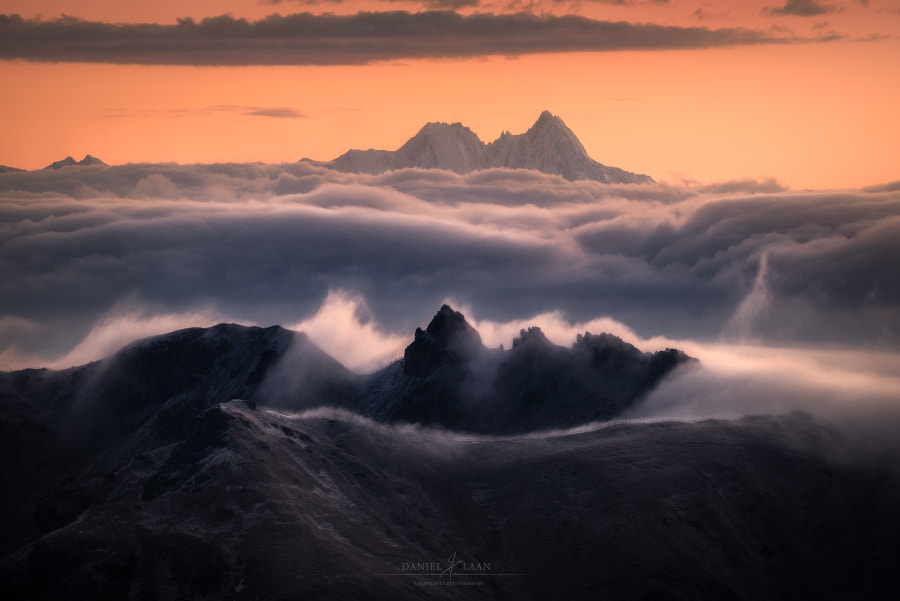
94, 257
364, 37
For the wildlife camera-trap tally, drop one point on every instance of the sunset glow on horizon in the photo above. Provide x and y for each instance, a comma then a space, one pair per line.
723, 91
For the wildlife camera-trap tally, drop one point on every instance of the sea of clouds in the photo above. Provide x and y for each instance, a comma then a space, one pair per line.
788, 297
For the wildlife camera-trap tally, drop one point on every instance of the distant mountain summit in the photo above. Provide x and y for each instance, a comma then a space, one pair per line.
87, 161
437, 146
548, 146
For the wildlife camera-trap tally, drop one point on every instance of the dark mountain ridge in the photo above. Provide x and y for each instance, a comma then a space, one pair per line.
448, 378
548, 146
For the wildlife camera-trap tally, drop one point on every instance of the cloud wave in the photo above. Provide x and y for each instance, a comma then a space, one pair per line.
267, 244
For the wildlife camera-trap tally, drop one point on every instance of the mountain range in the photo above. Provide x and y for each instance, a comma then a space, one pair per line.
548, 146
146, 476
87, 161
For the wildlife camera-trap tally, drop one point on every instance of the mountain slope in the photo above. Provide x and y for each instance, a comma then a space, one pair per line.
548, 146
53, 423
551, 147
253, 504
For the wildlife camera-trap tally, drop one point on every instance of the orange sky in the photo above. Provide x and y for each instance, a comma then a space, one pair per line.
813, 115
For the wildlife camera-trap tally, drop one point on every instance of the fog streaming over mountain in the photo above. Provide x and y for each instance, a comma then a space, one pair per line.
267, 244
136, 477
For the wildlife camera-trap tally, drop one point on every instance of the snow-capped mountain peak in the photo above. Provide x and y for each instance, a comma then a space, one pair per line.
87, 161
548, 146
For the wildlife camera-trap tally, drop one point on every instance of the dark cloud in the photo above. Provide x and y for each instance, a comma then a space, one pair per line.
326, 39
253, 111
802, 8
441, 4
267, 243
889, 187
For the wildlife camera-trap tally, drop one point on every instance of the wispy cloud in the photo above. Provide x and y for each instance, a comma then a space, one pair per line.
280, 112
329, 39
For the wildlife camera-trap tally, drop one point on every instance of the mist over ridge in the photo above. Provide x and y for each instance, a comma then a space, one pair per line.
671, 261
159, 470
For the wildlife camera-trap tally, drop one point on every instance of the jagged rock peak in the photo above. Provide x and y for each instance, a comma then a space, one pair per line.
450, 328
550, 129
448, 338
532, 337
549, 120
603, 338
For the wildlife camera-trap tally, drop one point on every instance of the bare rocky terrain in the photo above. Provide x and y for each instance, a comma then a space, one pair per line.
144, 476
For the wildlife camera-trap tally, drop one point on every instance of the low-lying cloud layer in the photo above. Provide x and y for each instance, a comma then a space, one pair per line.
364, 37
85, 248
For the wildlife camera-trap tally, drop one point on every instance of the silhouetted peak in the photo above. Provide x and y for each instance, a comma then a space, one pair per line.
603, 339
449, 329
448, 338
532, 337
225, 343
